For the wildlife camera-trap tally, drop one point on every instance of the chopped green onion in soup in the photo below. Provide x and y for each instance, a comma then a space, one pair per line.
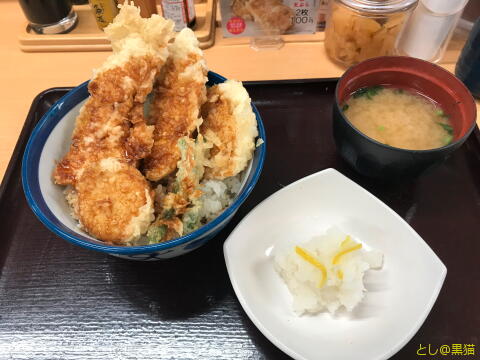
399, 118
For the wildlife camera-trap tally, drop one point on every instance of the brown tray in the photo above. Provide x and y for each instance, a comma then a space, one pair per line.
59, 301
88, 37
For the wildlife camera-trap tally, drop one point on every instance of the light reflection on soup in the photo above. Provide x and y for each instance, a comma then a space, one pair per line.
398, 118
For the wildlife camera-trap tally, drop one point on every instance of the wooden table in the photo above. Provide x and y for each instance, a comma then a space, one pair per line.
24, 75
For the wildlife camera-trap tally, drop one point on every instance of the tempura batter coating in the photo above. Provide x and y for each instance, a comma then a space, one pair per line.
100, 132
114, 202
176, 106
231, 127
110, 197
118, 91
184, 192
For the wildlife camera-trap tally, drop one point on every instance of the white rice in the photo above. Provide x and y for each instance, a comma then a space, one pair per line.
218, 195
343, 286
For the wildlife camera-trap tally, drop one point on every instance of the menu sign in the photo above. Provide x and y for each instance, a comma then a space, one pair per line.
268, 17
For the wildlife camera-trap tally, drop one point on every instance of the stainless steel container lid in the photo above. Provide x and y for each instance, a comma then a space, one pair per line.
380, 6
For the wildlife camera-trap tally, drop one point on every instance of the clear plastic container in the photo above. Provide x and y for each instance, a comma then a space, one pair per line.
361, 29
430, 28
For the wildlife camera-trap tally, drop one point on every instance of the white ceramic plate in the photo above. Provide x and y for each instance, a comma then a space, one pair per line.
399, 297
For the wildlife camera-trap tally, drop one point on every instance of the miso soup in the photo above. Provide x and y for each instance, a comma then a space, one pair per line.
398, 118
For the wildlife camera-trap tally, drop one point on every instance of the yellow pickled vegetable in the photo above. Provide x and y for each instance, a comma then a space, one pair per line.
311, 259
351, 37
340, 274
347, 250
348, 245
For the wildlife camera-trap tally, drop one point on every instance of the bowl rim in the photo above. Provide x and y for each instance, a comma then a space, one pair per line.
453, 144
29, 175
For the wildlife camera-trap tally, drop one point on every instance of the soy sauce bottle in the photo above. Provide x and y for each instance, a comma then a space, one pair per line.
181, 12
468, 65
45, 11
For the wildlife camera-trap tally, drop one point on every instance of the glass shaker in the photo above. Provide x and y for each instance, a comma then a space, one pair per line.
430, 28
360, 29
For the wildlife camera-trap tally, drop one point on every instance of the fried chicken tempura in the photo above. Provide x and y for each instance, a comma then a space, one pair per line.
231, 126
103, 128
176, 105
110, 197
114, 202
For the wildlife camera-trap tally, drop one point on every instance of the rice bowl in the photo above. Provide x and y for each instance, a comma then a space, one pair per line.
49, 141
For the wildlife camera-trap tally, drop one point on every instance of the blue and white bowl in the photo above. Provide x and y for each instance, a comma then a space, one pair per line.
50, 141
